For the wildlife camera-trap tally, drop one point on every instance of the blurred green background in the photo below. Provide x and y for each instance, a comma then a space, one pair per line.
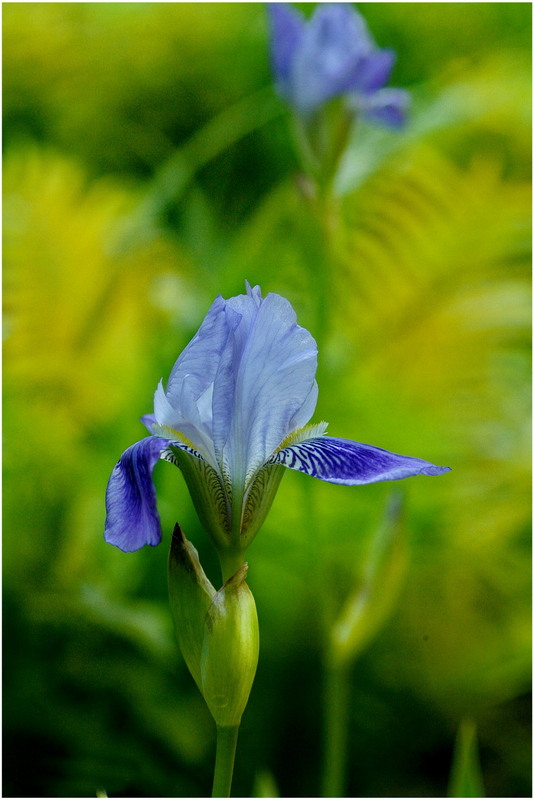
149, 165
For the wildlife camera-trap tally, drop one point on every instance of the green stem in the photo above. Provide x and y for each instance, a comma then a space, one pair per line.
224, 761
230, 560
326, 218
336, 729
231, 556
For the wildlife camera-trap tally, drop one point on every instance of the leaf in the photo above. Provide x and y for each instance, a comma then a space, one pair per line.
369, 606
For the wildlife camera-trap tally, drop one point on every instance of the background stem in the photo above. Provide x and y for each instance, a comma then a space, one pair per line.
336, 729
224, 761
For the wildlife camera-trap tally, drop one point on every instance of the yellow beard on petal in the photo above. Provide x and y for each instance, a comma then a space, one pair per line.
302, 434
170, 433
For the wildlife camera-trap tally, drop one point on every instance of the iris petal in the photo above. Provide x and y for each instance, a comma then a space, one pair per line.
334, 42
185, 419
373, 71
305, 412
148, 421
182, 405
268, 386
287, 28
132, 517
351, 463
198, 363
386, 106
331, 55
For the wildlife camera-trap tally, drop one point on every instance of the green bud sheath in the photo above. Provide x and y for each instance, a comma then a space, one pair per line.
231, 516
217, 631
230, 650
190, 595
209, 495
258, 501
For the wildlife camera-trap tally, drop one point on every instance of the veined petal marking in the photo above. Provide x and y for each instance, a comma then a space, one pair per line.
211, 495
351, 463
132, 519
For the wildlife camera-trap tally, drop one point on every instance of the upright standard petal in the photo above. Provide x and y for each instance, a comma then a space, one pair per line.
287, 29
185, 405
325, 65
351, 463
132, 518
373, 71
197, 364
269, 378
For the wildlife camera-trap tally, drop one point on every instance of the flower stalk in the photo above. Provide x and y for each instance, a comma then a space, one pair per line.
219, 639
224, 760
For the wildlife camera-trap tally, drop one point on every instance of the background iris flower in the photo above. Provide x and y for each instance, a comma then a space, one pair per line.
333, 55
236, 407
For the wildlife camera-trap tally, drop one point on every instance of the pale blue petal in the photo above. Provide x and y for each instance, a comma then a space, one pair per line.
187, 421
386, 106
325, 65
265, 385
132, 518
185, 405
306, 411
351, 463
183, 417
287, 29
196, 367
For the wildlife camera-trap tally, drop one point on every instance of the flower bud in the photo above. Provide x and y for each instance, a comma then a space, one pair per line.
217, 631
190, 595
230, 650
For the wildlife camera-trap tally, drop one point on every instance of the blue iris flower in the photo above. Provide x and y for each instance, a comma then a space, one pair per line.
333, 55
234, 413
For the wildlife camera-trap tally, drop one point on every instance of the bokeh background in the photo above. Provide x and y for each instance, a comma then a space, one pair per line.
148, 166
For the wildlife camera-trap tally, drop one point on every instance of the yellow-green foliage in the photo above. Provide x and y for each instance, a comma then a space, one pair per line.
123, 217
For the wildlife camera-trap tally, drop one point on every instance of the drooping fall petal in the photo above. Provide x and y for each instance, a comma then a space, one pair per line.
351, 463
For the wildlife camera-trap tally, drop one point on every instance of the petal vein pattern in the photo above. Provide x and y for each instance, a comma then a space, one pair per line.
132, 518
186, 405
351, 463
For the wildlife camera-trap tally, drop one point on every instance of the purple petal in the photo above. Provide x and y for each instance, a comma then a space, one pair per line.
351, 463
148, 421
287, 29
387, 107
373, 71
335, 41
132, 517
